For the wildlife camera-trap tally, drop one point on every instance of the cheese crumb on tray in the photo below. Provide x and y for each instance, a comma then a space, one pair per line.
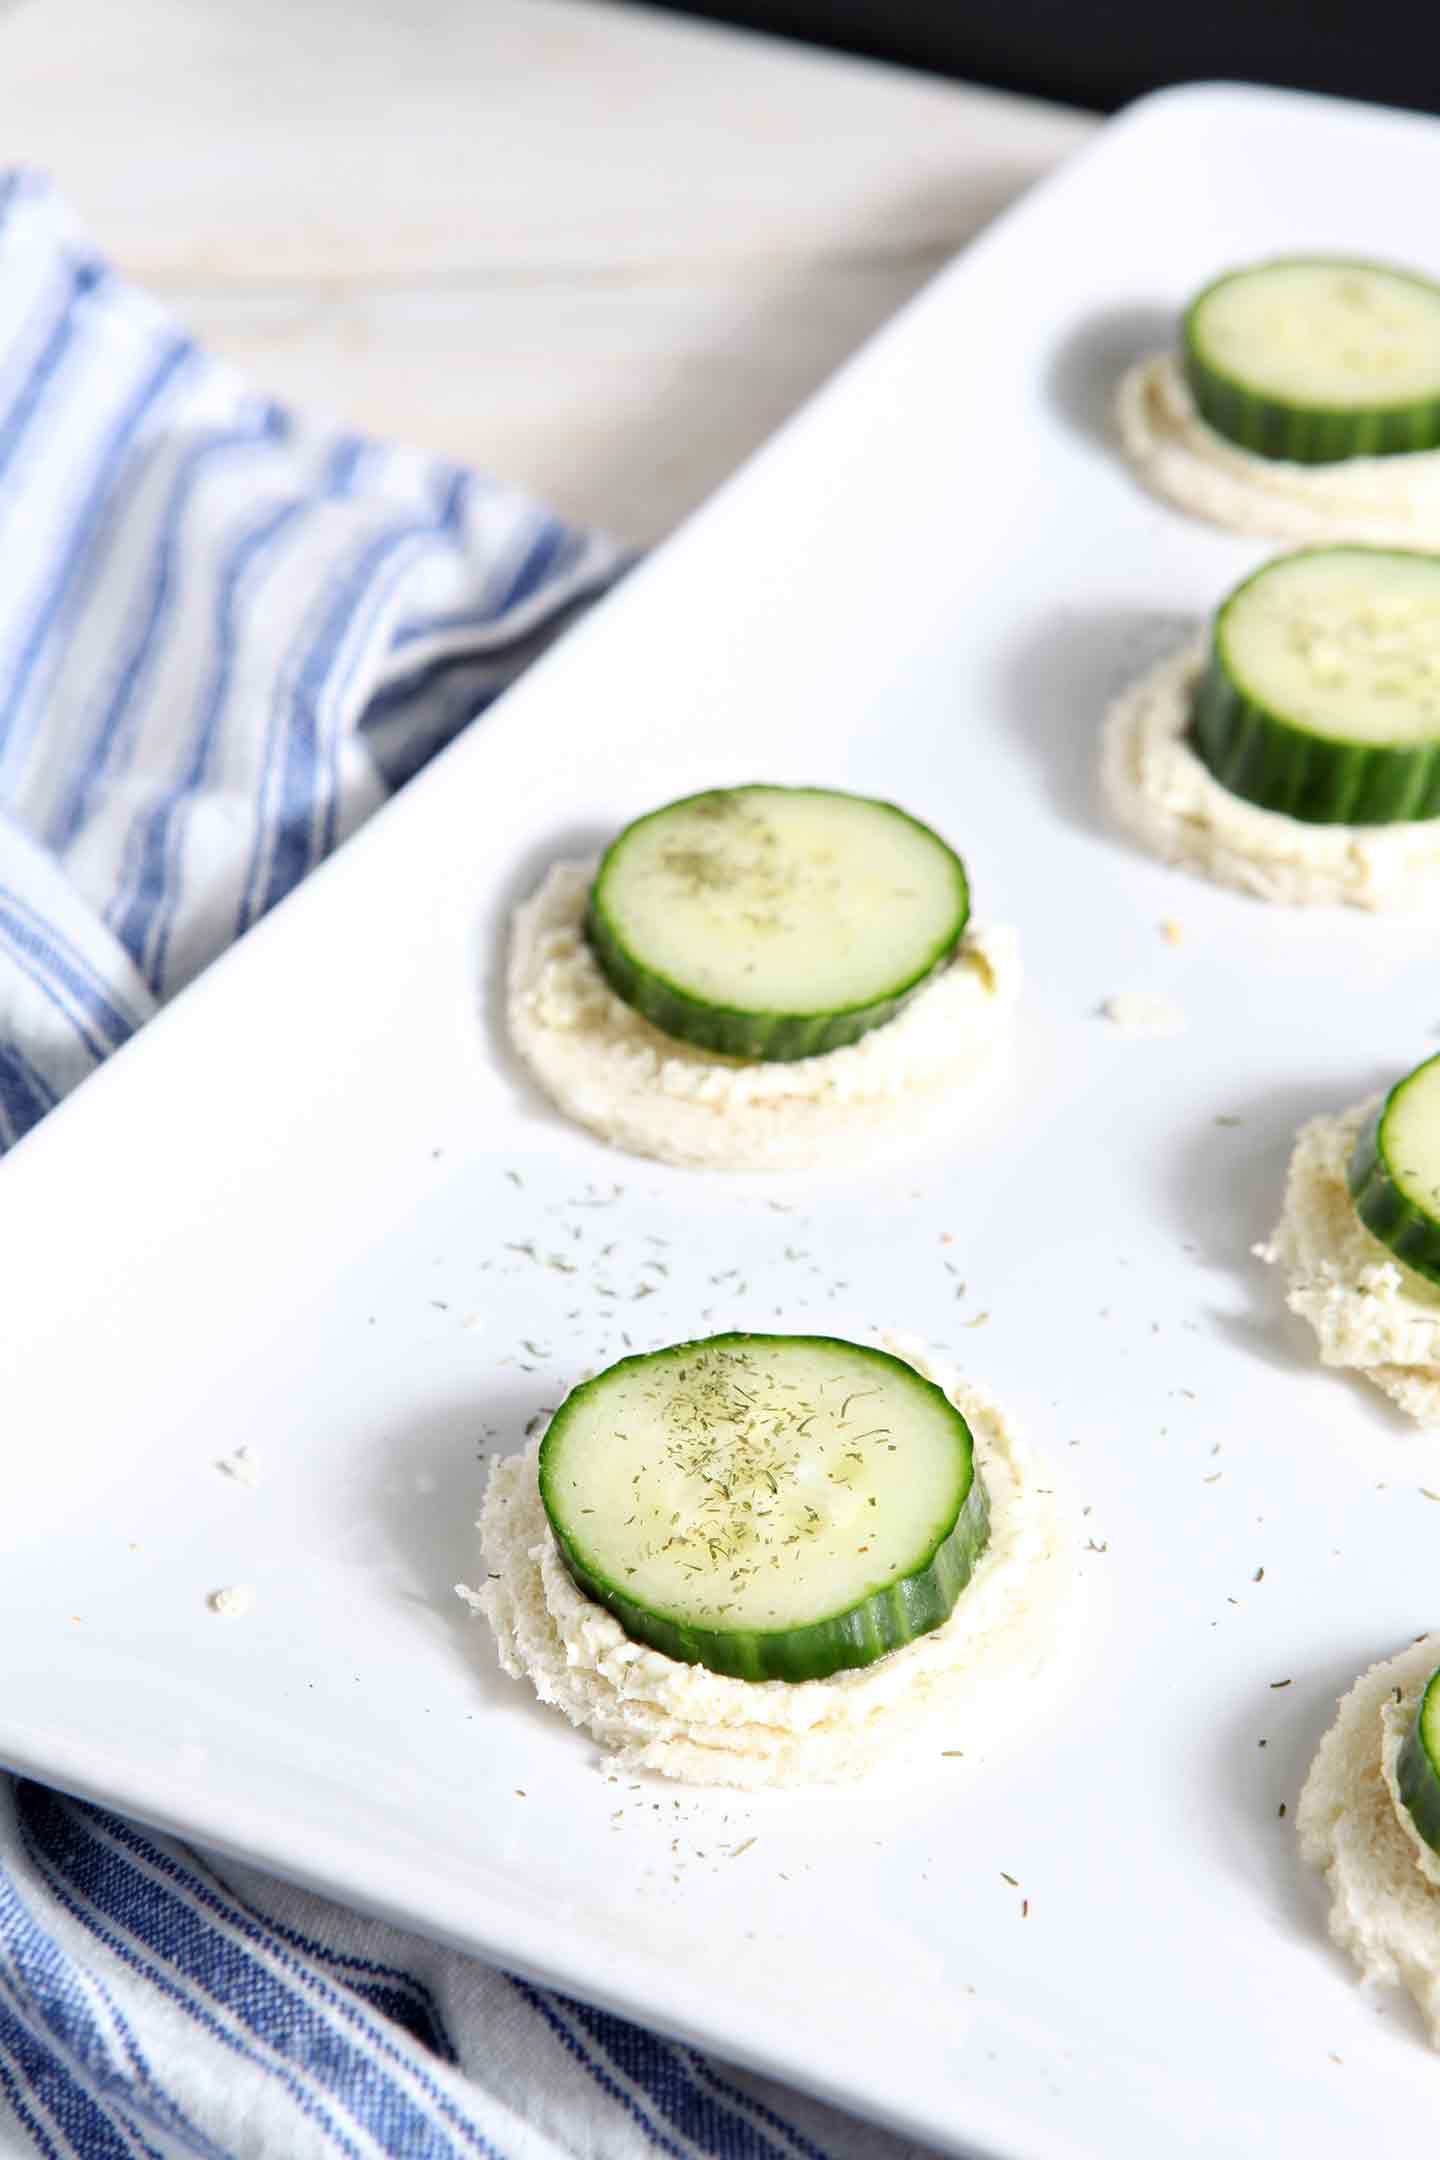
233, 1602
1144, 1012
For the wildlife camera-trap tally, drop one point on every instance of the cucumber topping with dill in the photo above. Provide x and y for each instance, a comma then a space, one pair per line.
777, 1507
772, 922
1321, 697
1394, 1172
1313, 361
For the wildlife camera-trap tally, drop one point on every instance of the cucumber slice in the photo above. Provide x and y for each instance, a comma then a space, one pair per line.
1394, 1173
778, 1507
1322, 694
1417, 1766
775, 923
1314, 361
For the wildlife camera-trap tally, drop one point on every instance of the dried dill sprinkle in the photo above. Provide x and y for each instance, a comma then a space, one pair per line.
1010, 1879
1279, 1683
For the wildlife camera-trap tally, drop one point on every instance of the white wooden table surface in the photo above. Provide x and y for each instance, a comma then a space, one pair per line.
596, 250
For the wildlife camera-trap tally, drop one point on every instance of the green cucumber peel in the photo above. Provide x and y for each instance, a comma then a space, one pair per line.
909, 1587
694, 899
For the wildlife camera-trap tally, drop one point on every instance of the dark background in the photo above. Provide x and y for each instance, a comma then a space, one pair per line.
1101, 53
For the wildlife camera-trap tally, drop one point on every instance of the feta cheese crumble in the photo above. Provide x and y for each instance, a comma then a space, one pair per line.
1144, 1012
233, 1602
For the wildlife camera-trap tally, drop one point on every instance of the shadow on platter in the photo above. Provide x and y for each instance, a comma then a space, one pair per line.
571, 843
1255, 1781
1086, 370
429, 1479
1227, 1194
1059, 681
1228, 1183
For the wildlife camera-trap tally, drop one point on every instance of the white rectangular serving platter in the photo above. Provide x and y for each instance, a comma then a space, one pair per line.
289, 1216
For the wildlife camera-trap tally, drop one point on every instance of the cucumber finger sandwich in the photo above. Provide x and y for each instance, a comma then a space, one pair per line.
1359, 1239
1303, 402
1295, 752
752, 977
771, 1559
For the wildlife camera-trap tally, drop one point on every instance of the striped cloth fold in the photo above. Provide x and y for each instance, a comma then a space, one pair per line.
226, 635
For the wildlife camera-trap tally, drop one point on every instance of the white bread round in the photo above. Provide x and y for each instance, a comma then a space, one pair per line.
703, 1728
1384, 1881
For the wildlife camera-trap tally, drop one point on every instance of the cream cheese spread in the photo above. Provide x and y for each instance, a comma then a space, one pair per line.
607, 1067
1369, 1312
1163, 793
705, 1728
1386, 501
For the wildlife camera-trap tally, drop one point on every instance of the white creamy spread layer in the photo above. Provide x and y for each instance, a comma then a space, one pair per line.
607, 1067
1368, 1311
1164, 794
707, 1728
1384, 1881
1387, 501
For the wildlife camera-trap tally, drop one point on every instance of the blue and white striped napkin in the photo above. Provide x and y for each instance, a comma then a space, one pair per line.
226, 635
